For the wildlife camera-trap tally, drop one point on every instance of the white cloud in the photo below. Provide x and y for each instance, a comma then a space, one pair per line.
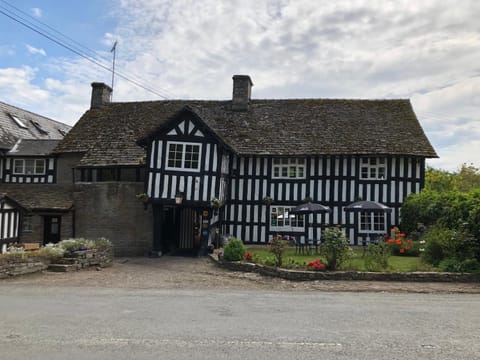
427, 51
35, 51
16, 87
36, 12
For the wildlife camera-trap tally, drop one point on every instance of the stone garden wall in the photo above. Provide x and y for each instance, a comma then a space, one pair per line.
298, 275
83, 259
20, 264
24, 263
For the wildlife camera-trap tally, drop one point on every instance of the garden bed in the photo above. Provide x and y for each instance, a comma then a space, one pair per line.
305, 275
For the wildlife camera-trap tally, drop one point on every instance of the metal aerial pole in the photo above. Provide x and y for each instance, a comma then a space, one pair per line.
114, 51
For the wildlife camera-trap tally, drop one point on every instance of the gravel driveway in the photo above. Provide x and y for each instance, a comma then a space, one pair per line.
170, 272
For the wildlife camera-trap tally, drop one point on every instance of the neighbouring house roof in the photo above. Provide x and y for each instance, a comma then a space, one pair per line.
38, 197
16, 123
109, 134
9, 200
33, 147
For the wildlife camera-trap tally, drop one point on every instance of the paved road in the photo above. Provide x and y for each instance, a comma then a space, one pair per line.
41, 322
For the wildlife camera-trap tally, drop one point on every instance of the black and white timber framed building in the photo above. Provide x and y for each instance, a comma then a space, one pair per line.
236, 167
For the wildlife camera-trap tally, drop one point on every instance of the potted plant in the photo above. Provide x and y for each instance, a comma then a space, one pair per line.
143, 197
216, 203
267, 200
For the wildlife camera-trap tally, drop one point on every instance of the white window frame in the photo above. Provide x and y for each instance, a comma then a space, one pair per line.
23, 172
372, 222
286, 219
184, 144
284, 166
372, 167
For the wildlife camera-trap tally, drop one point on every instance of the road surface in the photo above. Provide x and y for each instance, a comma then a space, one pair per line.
52, 322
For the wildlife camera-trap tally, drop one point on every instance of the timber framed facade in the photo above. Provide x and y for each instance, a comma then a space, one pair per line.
171, 175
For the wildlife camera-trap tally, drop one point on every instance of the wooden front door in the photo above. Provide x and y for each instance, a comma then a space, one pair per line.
52, 229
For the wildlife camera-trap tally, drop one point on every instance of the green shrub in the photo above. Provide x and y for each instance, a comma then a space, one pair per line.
436, 248
456, 265
51, 251
335, 248
269, 261
234, 250
376, 257
277, 246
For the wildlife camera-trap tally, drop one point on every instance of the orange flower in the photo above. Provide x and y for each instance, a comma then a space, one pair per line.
409, 241
398, 242
402, 235
402, 251
390, 241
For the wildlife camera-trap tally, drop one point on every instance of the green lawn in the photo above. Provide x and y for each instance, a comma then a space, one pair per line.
396, 263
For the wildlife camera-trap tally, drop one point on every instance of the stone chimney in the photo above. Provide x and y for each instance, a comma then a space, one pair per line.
101, 94
242, 90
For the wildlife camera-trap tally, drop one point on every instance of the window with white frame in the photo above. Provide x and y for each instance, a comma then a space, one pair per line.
282, 220
29, 167
373, 168
183, 156
288, 168
372, 222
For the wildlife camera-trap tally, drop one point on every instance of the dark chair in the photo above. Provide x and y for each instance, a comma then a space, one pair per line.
299, 246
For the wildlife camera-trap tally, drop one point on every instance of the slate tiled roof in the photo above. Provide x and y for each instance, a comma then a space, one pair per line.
30, 147
10, 131
36, 197
108, 135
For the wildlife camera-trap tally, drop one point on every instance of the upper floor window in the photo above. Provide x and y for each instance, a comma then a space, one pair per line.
282, 220
372, 222
288, 168
183, 156
373, 168
29, 167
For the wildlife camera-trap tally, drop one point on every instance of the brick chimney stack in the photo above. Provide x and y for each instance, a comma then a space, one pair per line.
101, 94
242, 91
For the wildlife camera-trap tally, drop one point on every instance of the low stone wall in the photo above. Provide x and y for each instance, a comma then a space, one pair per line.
82, 259
21, 264
298, 275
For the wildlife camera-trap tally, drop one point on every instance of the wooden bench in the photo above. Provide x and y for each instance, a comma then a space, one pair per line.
31, 246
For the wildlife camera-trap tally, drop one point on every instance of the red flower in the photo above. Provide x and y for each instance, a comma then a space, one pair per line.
398, 242
402, 251
402, 235
409, 241
248, 256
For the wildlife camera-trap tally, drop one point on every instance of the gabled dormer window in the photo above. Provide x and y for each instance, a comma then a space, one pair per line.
17, 121
288, 168
183, 156
373, 168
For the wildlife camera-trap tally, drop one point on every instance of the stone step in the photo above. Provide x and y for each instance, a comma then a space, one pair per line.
63, 267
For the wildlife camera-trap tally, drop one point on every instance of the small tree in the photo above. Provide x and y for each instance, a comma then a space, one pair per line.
277, 246
377, 256
335, 248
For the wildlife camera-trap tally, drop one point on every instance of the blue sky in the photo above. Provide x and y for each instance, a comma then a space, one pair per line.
426, 50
